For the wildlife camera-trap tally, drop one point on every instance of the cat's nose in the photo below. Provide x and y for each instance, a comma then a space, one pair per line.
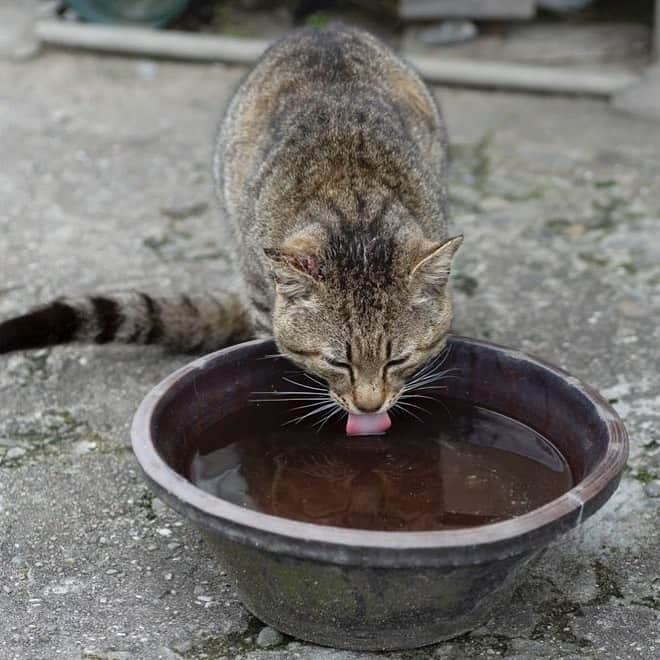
368, 409
368, 399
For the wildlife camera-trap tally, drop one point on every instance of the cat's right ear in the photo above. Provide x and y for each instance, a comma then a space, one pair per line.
296, 274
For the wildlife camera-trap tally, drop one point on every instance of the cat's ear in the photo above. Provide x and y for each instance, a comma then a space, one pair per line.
295, 273
431, 273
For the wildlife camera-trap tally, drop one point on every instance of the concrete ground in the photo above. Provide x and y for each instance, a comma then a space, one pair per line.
105, 184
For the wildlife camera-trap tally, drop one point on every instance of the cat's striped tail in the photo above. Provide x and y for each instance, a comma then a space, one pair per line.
184, 323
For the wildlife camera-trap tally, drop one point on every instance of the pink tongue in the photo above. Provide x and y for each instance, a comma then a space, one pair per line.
373, 424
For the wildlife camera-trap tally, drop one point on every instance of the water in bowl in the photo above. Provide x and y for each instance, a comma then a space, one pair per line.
462, 466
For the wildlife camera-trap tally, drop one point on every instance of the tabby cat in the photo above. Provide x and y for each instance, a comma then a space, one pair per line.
330, 167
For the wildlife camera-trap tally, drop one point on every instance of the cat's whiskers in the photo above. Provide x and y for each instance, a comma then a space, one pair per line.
321, 423
399, 406
432, 376
304, 385
317, 399
429, 367
419, 383
437, 384
311, 405
419, 396
288, 392
413, 405
436, 399
433, 364
318, 381
288, 400
316, 411
303, 392
427, 379
438, 360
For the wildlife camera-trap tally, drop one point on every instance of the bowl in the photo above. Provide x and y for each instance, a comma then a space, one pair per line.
371, 590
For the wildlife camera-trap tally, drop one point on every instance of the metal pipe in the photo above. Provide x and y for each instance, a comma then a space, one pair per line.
211, 48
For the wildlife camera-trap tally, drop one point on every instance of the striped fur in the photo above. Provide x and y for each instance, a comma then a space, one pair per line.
330, 168
185, 323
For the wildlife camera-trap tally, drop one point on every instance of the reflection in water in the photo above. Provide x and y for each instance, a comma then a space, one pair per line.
470, 468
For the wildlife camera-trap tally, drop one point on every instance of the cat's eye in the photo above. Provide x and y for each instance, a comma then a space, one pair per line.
337, 363
394, 363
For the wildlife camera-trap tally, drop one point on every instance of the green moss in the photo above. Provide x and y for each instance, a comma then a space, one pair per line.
654, 444
185, 212
146, 502
167, 246
54, 434
228, 20
645, 476
555, 622
475, 645
648, 601
593, 259
629, 268
555, 615
212, 255
525, 194
464, 646
606, 214
229, 646
475, 158
315, 591
558, 225
606, 581
318, 19
482, 160
420, 654
653, 280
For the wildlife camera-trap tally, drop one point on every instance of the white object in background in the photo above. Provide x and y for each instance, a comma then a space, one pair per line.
447, 33
564, 6
209, 48
477, 9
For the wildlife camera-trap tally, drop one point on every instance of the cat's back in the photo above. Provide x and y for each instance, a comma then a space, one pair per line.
342, 72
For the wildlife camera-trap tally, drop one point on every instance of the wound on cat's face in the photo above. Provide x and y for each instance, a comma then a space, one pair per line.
362, 309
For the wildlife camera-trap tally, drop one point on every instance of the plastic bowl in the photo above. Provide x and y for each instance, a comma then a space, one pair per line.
373, 590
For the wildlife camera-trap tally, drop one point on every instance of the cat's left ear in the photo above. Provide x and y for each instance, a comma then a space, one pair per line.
431, 273
296, 273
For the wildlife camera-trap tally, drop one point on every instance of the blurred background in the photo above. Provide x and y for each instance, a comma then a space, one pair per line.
533, 45
542, 31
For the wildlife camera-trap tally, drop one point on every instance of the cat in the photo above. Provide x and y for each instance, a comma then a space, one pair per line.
331, 170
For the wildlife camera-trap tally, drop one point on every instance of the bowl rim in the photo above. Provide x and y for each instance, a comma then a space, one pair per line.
494, 541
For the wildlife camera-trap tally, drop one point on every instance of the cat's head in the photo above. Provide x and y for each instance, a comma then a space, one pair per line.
362, 310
